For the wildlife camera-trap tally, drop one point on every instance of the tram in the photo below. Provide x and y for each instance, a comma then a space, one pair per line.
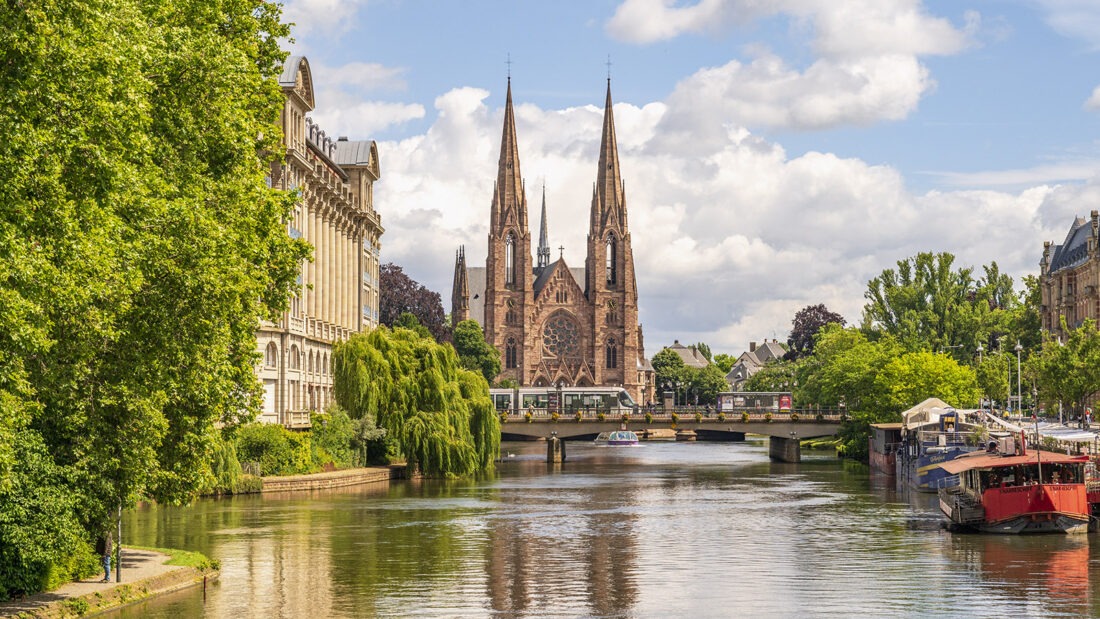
777, 401
610, 400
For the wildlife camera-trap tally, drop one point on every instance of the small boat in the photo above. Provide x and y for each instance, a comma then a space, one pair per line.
882, 447
1021, 492
618, 437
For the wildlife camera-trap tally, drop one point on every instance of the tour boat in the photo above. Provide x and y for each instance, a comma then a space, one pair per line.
933, 433
618, 437
882, 447
1018, 492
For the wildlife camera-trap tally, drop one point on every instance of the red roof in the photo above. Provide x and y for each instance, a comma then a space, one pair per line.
982, 460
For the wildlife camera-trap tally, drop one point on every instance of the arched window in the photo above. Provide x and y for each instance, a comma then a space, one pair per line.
295, 358
510, 260
271, 355
612, 260
612, 353
310, 361
510, 354
325, 365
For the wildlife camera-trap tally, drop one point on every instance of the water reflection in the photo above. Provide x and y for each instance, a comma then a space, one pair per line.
706, 530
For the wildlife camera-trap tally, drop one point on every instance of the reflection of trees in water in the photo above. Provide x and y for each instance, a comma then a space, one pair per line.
1049, 570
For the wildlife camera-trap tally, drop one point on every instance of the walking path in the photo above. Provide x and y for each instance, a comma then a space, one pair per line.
144, 574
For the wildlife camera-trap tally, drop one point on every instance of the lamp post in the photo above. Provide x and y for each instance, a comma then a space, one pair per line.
1019, 390
981, 349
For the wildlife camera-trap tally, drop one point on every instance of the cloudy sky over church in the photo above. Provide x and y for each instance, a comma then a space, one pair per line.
776, 153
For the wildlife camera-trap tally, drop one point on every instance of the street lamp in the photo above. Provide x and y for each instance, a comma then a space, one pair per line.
1019, 391
981, 349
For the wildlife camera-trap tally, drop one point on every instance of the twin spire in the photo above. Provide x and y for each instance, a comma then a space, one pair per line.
509, 196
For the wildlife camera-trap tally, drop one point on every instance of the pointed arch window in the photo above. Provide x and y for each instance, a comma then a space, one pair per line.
510, 354
612, 264
510, 260
612, 354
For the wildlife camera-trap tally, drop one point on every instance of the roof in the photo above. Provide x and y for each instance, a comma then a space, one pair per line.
887, 426
691, 356
1075, 249
543, 275
983, 460
927, 411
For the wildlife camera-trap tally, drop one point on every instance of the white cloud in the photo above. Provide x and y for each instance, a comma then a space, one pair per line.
1093, 102
346, 101
1078, 19
321, 17
731, 239
1051, 173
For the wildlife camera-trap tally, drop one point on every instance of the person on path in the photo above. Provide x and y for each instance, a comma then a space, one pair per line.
104, 546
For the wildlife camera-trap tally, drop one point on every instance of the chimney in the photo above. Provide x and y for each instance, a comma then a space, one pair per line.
752, 346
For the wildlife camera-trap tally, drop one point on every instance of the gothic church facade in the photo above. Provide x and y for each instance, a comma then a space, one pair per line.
553, 324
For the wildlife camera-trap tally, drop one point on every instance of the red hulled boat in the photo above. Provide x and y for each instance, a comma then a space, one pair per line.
1029, 492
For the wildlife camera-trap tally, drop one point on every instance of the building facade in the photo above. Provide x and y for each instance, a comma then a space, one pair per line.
554, 324
339, 287
1069, 278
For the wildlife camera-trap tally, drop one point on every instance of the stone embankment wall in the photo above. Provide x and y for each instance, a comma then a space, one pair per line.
333, 479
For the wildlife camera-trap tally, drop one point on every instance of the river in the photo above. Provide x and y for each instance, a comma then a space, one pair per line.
658, 530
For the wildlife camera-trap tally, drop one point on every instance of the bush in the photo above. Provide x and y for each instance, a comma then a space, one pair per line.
820, 417
744, 416
698, 417
278, 450
625, 417
527, 416
577, 416
648, 417
721, 416
601, 416
794, 417
332, 438
675, 418
767, 417
554, 416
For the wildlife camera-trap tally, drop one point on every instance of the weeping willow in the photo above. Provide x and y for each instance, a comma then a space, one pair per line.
439, 413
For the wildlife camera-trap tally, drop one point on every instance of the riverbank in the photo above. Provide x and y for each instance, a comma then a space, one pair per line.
333, 479
145, 573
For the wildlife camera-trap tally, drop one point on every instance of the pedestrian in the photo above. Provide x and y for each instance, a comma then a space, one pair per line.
104, 546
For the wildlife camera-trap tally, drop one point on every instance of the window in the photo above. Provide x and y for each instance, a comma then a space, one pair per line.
612, 360
295, 359
271, 355
561, 336
510, 354
510, 261
612, 260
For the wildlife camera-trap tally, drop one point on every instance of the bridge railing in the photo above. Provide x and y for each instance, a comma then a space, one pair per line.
682, 414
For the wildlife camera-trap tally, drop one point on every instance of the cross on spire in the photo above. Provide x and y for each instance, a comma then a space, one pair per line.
608, 63
509, 63
561, 252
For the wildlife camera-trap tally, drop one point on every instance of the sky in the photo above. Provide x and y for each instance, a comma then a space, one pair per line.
776, 153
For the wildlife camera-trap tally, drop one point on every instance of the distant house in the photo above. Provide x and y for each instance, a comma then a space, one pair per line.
752, 360
691, 356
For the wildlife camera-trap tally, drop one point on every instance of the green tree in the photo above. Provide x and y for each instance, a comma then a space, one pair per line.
776, 375
474, 352
669, 369
1069, 372
913, 377
438, 413
724, 362
706, 383
704, 350
140, 243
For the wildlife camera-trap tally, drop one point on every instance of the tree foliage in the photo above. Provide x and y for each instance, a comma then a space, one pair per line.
439, 413
1068, 372
669, 368
139, 243
724, 362
474, 352
807, 322
399, 293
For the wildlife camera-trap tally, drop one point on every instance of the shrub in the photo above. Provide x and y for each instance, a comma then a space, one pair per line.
820, 417
794, 417
698, 417
332, 438
577, 416
675, 418
648, 417
744, 416
625, 417
767, 417
278, 450
601, 416
554, 416
504, 417
527, 416
721, 416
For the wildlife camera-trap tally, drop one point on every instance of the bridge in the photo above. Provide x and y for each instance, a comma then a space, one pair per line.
783, 429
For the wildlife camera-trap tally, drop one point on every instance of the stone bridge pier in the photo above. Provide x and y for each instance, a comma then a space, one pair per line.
783, 449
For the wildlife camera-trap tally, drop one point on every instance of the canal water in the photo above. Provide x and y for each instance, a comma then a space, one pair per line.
658, 530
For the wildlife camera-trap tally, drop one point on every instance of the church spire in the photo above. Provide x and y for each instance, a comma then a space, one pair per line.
544, 243
460, 293
509, 201
609, 203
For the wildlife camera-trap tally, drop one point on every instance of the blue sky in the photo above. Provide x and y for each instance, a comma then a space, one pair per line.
776, 154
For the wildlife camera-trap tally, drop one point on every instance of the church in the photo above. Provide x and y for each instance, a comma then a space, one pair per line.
557, 325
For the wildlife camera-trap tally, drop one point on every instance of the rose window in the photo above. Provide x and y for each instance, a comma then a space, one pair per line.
561, 337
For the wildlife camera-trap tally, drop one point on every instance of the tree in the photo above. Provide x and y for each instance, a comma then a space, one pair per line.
399, 293
807, 322
776, 375
669, 368
703, 350
724, 362
1069, 372
140, 245
925, 304
474, 352
438, 413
